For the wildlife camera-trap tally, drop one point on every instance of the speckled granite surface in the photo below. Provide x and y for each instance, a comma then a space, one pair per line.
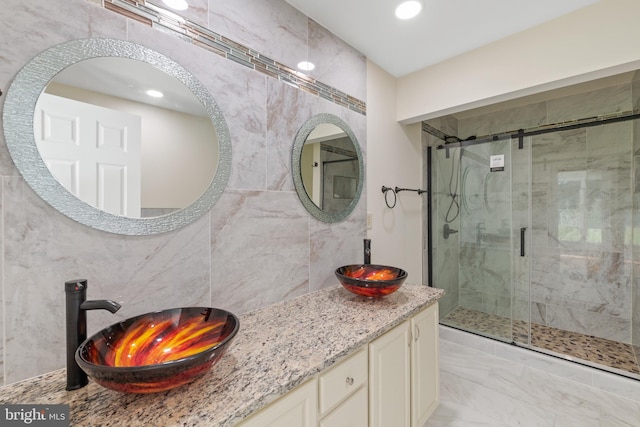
276, 349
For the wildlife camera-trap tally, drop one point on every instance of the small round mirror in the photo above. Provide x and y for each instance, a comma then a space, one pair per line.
328, 168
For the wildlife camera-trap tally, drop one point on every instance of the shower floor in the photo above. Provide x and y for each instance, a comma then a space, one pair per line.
608, 353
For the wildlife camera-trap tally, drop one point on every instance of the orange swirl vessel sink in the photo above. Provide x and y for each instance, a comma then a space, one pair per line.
158, 351
371, 280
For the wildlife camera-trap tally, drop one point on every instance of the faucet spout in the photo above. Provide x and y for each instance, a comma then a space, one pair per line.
104, 304
76, 309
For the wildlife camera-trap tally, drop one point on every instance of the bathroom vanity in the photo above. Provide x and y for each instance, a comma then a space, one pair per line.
323, 354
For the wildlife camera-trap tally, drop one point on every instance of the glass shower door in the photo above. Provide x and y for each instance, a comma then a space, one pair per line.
484, 237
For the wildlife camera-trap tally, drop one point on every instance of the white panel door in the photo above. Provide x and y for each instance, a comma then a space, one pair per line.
94, 152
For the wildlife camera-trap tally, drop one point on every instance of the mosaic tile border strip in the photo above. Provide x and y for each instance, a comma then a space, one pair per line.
176, 25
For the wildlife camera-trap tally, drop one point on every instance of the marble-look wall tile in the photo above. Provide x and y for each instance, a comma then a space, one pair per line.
252, 249
245, 115
524, 117
197, 12
446, 124
588, 322
635, 91
272, 27
42, 25
331, 56
287, 110
446, 208
260, 249
2, 299
43, 249
333, 246
600, 102
609, 189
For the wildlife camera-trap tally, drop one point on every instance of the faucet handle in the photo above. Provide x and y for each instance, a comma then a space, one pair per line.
77, 285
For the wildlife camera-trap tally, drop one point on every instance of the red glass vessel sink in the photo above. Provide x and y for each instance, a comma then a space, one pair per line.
371, 280
157, 351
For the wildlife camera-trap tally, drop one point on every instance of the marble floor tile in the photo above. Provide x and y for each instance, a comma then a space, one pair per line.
479, 389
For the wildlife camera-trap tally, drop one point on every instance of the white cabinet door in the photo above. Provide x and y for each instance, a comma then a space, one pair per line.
350, 413
296, 408
424, 365
389, 378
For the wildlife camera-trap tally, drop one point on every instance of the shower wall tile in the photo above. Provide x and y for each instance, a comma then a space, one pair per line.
523, 117
471, 299
446, 124
588, 323
446, 263
600, 102
331, 56
635, 91
259, 250
609, 190
445, 254
486, 273
271, 27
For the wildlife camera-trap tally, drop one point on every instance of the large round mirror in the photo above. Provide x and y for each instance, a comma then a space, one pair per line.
328, 168
117, 136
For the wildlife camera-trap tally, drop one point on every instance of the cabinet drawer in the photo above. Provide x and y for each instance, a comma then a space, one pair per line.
342, 380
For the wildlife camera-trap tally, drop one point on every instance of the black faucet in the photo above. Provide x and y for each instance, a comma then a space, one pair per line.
367, 251
76, 307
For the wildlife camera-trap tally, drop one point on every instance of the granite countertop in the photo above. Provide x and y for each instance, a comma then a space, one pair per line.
277, 348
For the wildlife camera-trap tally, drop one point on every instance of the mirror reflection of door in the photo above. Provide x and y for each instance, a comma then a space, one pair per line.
94, 152
329, 168
178, 153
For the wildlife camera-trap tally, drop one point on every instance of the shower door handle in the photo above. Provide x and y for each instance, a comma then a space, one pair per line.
522, 232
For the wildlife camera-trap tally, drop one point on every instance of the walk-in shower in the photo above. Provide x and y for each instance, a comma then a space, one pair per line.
535, 232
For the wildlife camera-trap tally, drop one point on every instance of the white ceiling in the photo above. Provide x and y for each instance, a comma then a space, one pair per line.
444, 29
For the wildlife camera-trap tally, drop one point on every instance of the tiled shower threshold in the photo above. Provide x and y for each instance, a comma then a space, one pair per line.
613, 356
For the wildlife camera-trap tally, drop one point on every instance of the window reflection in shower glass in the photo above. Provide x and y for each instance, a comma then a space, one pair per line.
582, 207
570, 205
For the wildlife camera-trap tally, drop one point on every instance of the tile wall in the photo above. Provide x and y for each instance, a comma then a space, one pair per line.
256, 246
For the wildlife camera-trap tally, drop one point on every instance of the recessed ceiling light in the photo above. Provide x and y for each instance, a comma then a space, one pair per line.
306, 65
155, 93
176, 4
408, 9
